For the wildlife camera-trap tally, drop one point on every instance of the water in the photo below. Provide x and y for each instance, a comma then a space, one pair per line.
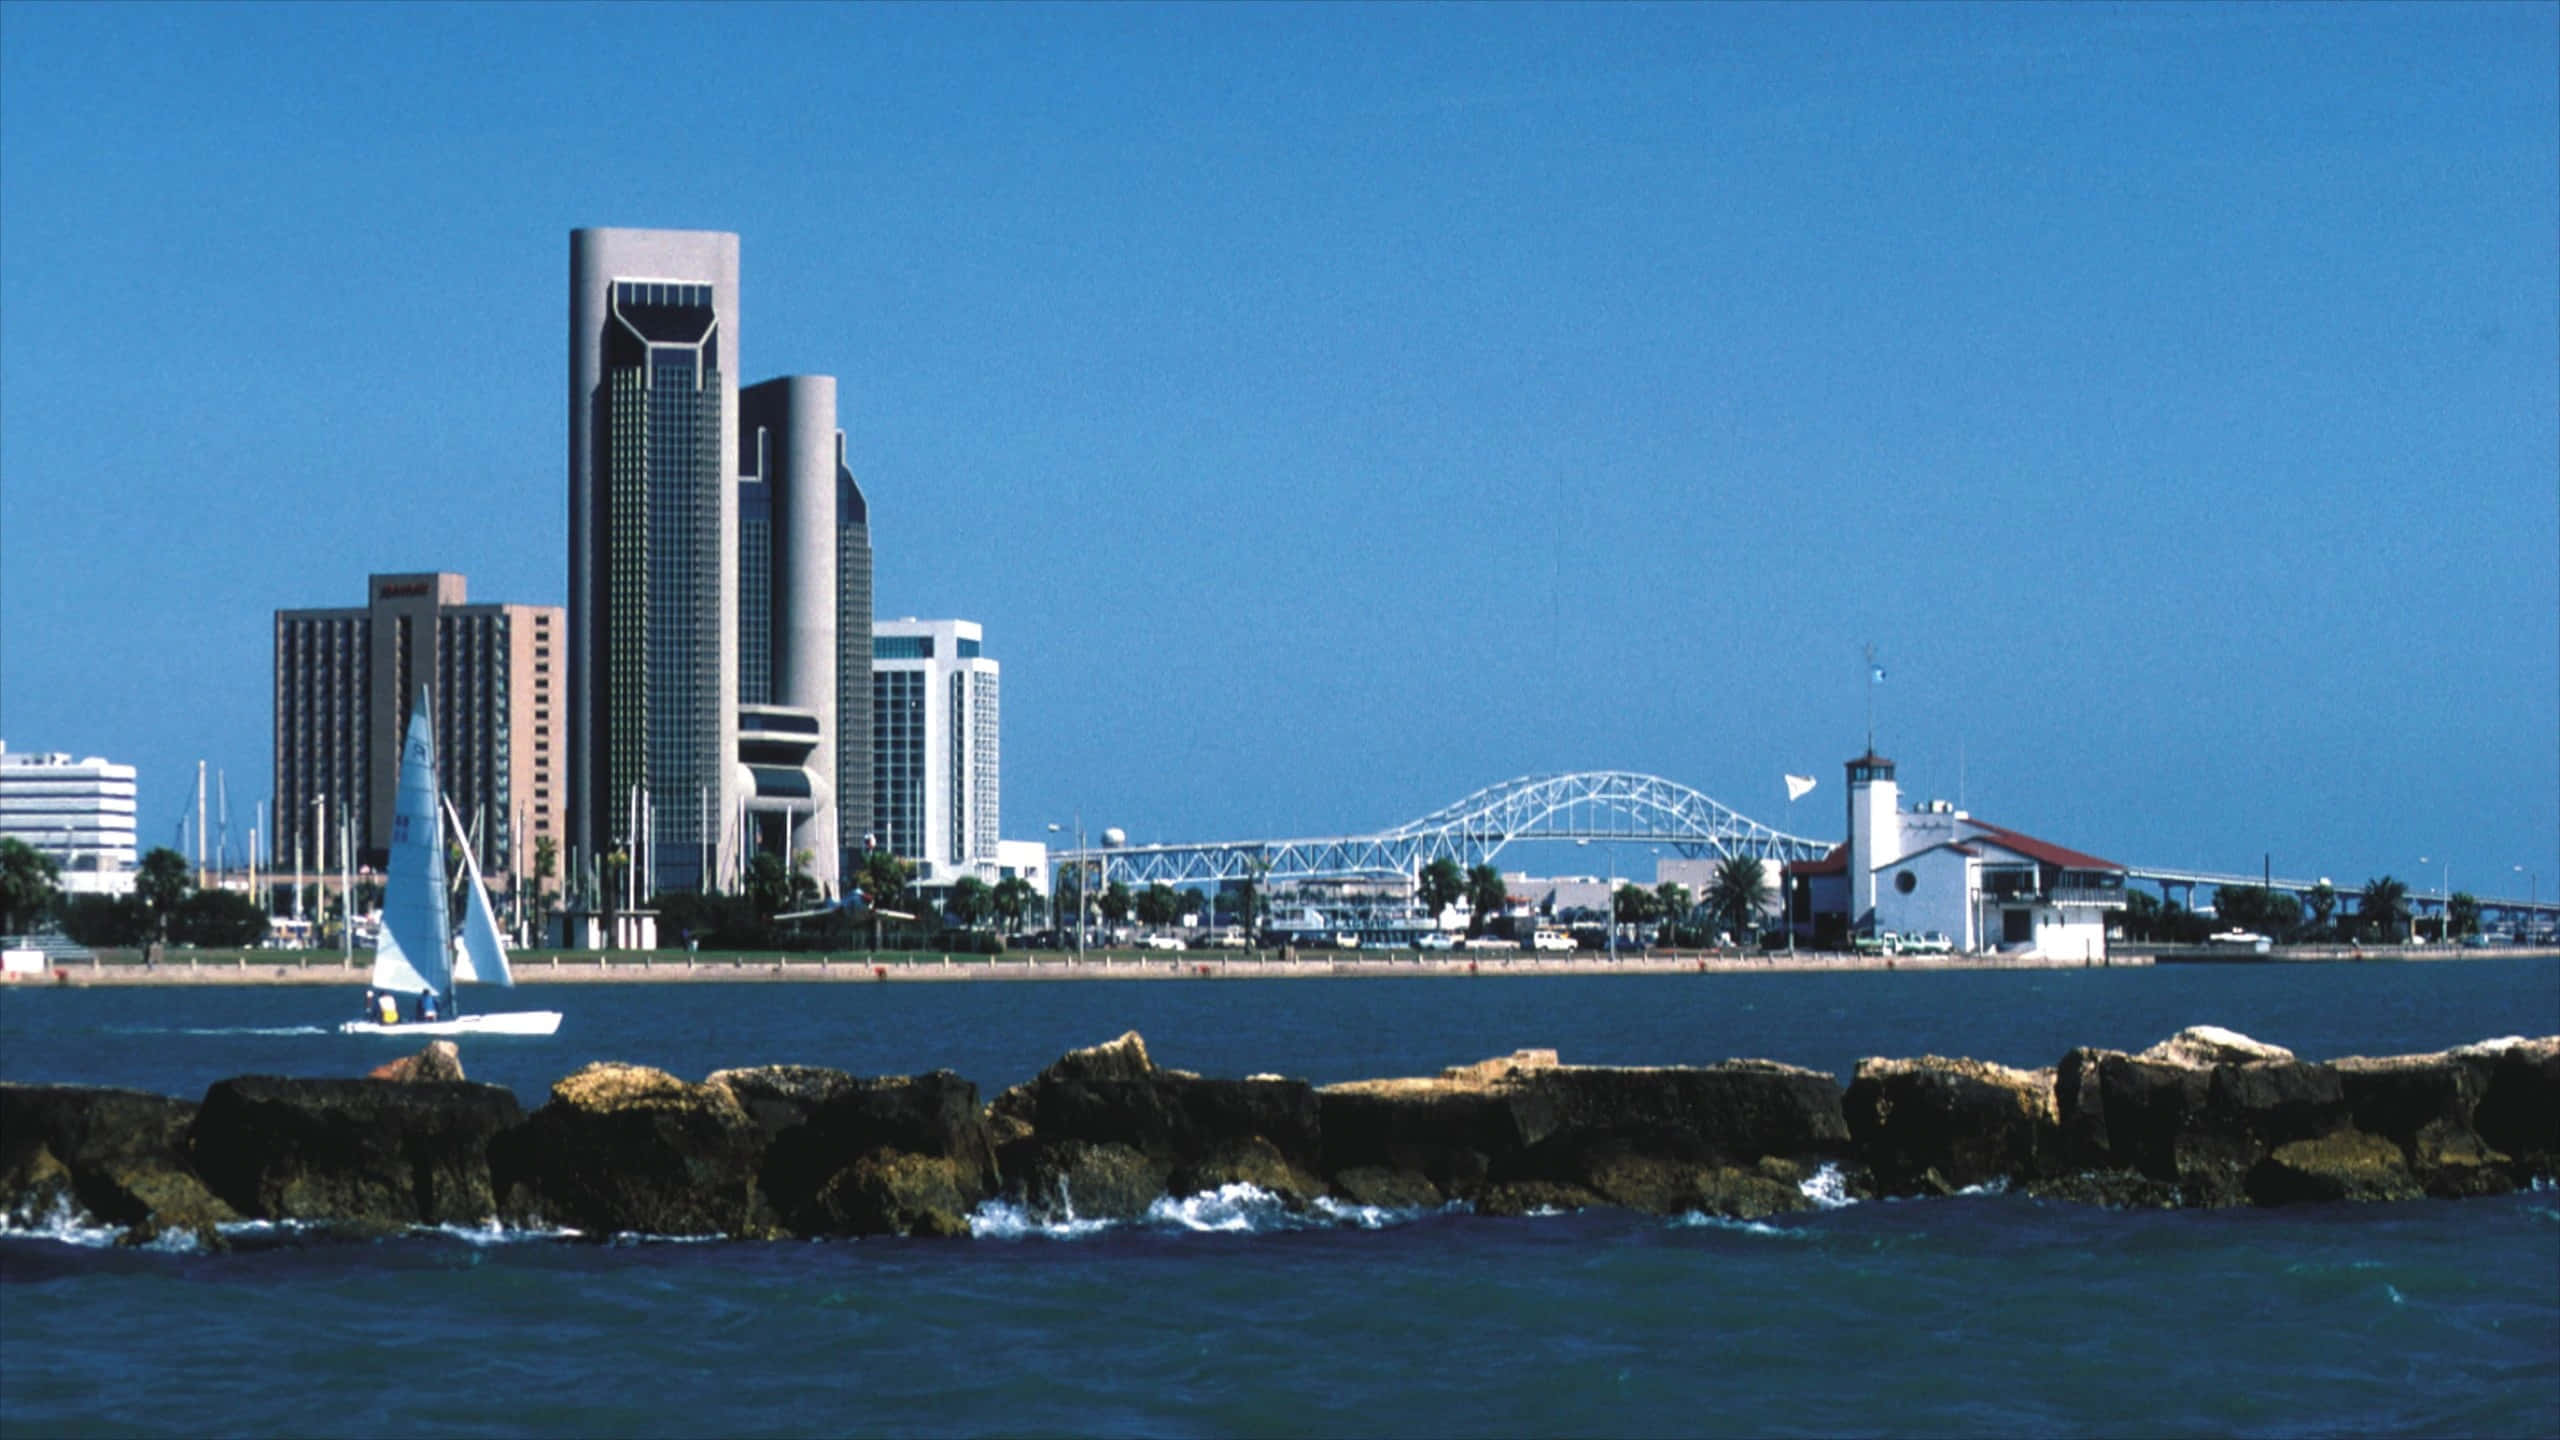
1220, 1315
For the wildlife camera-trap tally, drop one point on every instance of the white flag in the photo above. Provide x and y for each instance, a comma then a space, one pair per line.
1797, 787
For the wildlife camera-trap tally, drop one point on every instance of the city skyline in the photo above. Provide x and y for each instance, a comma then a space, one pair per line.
1338, 412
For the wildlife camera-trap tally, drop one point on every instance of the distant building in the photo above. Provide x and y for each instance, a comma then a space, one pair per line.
936, 756
1937, 868
345, 681
79, 812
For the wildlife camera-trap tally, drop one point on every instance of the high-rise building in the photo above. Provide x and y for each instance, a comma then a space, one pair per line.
934, 737
346, 680
804, 629
653, 545
79, 812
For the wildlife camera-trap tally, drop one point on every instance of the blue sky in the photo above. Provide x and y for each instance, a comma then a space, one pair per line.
1330, 410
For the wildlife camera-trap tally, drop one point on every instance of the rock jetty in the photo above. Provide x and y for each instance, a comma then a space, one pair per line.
2206, 1118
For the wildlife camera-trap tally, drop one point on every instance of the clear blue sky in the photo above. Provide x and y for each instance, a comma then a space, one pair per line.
1329, 410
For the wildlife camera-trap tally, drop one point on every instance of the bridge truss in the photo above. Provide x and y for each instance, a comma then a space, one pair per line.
1599, 806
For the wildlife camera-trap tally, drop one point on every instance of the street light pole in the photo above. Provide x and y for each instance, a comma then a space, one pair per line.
2444, 897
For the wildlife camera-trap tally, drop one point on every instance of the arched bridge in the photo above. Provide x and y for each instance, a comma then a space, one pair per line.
1602, 805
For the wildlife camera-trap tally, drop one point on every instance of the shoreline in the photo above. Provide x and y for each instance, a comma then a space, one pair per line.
666, 968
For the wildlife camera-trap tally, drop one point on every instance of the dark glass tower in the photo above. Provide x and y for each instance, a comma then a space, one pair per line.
652, 524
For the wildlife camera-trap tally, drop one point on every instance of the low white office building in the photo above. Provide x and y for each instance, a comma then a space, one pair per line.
79, 812
1934, 868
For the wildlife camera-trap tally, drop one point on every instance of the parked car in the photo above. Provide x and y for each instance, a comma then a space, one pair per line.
1159, 942
1228, 938
1881, 942
1552, 942
1490, 942
1434, 940
1928, 942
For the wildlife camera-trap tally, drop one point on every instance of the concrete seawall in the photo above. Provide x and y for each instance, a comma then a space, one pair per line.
908, 967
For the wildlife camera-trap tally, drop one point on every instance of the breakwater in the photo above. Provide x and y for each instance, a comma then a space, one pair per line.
2207, 1118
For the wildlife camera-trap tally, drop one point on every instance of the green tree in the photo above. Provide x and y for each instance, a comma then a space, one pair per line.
971, 902
98, 920
1440, 885
27, 877
1158, 905
768, 886
163, 882
1251, 904
2252, 907
1488, 894
1738, 895
2382, 911
2141, 915
2462, 912
1674, 902
1115, 903
1634, 904
218, 918
884, 882
1014, 900
2323, 902
1192, 902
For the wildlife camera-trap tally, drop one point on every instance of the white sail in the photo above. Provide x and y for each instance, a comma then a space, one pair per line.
413, 953
481, 956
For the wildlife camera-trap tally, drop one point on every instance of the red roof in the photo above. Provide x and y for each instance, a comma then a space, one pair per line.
2041, 851
1835, 863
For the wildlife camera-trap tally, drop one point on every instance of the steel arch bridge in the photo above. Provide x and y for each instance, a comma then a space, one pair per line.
1601, 805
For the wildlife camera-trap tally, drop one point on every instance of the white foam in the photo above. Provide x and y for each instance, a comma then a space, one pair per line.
1827, 1188
1229, 1209
65, 1222
1699, 1220
1996, 1185
1000, 1220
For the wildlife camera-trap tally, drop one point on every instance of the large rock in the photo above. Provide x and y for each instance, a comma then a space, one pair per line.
384, 1152
441, 1060
625, 1148
117, 1156
1525, 1131
2196, 1113
1101, 1124
1933, 1125
894, 1155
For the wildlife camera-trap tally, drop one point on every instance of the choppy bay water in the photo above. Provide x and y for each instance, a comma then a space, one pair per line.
1988, 1314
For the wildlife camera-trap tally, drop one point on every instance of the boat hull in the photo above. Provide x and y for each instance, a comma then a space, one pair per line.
520, 1022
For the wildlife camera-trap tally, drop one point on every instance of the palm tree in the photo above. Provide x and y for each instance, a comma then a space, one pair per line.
1014, 899
884, 879
1675, 902
1738, 894
969, 902
2382, 911
1487, 893
2324, 908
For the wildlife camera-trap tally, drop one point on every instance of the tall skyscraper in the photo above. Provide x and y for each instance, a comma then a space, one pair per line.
345, 682
79, 812
653, 546
935, 742
804, 629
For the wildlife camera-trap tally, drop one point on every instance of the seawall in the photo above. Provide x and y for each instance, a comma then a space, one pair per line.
2206, 1118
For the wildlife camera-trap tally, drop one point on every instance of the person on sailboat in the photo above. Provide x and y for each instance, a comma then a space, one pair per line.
427, 1005
387, 1007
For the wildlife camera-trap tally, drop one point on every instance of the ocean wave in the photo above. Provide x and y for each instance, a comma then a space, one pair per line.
1996, 1185
1237, 1209
1700, 1220
66, 1223
1827, 1188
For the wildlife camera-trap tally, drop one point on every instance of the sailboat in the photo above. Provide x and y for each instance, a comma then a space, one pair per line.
419, 953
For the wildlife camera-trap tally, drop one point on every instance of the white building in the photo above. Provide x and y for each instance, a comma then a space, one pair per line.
1936, 868
79, 812
936, 758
